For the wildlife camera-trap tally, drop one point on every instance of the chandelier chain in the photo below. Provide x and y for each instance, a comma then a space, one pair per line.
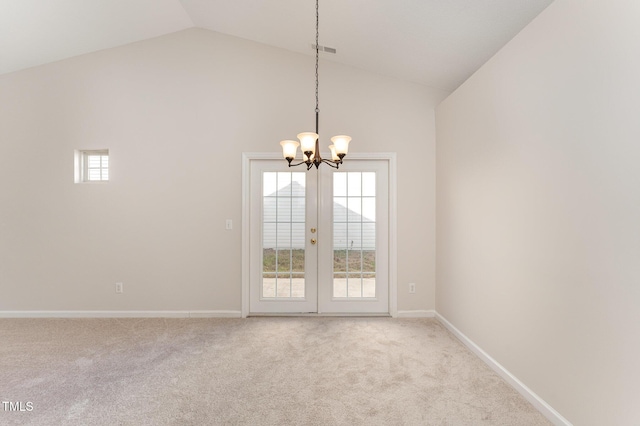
317, 55
311, 155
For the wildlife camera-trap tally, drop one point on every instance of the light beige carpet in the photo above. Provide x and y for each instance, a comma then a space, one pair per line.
257, 371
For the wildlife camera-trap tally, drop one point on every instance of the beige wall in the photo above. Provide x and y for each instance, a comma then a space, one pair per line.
176, 112
538, 209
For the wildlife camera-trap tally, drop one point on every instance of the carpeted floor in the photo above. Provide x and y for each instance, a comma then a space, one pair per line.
256, 371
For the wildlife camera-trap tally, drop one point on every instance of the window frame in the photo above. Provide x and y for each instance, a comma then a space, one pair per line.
81, 174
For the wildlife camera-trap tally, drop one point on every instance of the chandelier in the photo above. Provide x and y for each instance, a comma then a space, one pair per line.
309, 141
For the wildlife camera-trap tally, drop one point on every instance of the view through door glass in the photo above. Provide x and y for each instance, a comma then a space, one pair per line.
354, 235
283, 239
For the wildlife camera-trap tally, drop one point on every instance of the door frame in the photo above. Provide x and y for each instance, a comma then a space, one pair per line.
390, 157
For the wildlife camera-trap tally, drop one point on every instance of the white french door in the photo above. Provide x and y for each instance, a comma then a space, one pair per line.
319, 239
283, 260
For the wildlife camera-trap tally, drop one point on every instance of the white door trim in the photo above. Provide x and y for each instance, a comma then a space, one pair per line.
248, 157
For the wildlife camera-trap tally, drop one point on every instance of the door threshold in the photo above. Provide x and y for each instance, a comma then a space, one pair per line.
315, 314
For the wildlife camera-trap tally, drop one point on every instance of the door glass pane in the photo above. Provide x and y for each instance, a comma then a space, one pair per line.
354, 209
339, 284
369, 184
354, 184
354, 283
339, 184
283, 234
339, 209
354, 235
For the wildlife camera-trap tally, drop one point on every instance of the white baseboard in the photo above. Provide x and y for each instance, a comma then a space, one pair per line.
416, 314
215, 314
120, 314
552, 415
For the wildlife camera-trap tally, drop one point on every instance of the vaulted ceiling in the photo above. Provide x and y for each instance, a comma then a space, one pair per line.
438, 43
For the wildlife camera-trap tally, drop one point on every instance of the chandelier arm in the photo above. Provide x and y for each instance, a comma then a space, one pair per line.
334, 164
298, 164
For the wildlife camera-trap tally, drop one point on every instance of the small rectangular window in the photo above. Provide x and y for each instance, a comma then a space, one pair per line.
92, 166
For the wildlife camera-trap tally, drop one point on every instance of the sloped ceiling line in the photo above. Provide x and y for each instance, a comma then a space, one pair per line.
431, 42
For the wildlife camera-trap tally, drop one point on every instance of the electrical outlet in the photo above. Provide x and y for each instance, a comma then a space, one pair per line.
412, 287
119, 288
229, 225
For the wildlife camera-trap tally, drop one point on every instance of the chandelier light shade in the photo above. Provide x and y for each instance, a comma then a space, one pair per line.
289, 148
310, 142
334, 156
341, 144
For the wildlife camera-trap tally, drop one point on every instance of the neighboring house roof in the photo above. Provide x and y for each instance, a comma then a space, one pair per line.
284, 222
